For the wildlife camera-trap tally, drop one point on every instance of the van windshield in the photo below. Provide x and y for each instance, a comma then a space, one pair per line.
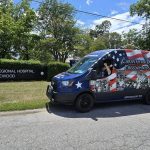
83, 65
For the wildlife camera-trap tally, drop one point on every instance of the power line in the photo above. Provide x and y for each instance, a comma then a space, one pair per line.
99, 15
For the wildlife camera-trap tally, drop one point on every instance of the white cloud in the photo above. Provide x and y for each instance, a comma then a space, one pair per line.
95, 12
88, 2
120, 26
80, 23
113, 12
124, 5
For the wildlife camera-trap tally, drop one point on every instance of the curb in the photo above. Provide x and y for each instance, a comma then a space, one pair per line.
22, 112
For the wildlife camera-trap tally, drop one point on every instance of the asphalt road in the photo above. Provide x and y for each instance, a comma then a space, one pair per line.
115, 126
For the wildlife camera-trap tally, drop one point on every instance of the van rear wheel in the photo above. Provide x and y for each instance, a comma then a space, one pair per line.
84, 102
147, 98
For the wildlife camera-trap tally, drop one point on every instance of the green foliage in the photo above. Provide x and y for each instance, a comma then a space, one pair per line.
83, 45
101, 29
141, 8
144, 37
44, 50
98, 44
55, 68
130, 39
50, 33
105, 39
20, 64
16, 23
57, 20
25, 41
9, 62
7, 29
115, 40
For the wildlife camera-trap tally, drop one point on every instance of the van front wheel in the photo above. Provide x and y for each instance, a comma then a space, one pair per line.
147, 98
84, 102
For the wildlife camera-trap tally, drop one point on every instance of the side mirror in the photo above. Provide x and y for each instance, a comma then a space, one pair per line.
73, 62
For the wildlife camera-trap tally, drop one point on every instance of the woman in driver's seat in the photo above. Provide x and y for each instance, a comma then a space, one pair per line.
106, 69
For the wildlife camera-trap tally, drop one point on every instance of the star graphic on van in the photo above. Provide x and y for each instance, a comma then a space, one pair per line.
79, 85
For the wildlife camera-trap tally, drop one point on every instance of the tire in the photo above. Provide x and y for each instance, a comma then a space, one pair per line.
84, 102
147, 98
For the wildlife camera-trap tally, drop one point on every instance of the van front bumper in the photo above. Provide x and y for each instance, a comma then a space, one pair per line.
58, 97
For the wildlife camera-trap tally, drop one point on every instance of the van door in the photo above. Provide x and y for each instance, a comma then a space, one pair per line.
122, 83
105, 86
133, 80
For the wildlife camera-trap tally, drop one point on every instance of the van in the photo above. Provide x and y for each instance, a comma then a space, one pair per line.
103, 76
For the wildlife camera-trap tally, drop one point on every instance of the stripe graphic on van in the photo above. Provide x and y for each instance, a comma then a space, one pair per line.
146, 54
131, 75
147, 73
112, 81
136, 54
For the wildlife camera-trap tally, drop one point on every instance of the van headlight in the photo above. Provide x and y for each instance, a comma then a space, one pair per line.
67, 83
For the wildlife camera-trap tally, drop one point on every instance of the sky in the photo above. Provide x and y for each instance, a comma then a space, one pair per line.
112, 8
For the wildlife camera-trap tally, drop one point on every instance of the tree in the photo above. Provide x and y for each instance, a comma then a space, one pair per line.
130, 40
25, 19
56, 20
84, 42
142, 8
101, 33
144, 37
114, 40
98, 44
43, 47
101, 29
7, 29
16, 24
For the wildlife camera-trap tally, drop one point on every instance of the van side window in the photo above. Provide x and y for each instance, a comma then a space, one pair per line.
105, 69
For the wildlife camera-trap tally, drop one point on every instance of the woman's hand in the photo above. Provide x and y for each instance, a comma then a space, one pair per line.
107, 68
105, 64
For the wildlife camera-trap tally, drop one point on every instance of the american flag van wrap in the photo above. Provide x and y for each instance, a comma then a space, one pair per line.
130, 71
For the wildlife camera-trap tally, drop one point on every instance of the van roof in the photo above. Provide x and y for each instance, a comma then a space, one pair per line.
101, 52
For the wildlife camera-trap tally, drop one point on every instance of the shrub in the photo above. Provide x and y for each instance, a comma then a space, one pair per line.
55, 68
20, 65
11, 62
50, 70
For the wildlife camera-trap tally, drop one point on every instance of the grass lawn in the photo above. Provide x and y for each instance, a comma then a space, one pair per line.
22, 95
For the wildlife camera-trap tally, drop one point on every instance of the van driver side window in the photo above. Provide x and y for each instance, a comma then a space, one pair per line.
104, 69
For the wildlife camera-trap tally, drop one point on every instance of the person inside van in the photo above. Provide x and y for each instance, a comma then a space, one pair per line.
105, 70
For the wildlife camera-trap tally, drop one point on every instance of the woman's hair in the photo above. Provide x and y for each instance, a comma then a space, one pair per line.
108, 62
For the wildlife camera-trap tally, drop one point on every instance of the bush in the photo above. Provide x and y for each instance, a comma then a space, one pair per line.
50, 70
55, 68
11, 62
16, 65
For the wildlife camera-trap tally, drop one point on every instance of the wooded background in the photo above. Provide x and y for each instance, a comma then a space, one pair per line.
50, 33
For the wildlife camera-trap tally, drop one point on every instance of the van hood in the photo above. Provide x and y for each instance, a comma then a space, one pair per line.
66, 76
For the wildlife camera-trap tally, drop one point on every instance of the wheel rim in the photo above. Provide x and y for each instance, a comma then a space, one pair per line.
85, 102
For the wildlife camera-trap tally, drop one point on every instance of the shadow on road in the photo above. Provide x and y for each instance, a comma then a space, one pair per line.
103, 110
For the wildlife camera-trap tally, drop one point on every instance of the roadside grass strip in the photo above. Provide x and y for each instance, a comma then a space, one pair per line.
22, 105
22, 95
